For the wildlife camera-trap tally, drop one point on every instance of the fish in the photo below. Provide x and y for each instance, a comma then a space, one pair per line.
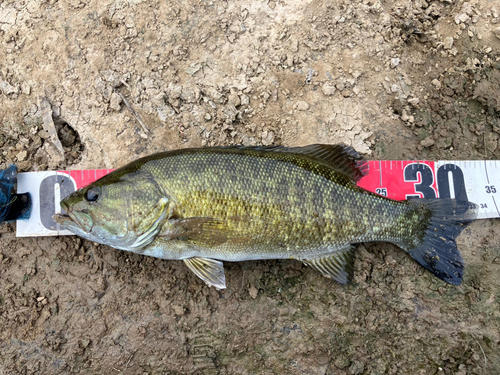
205, 206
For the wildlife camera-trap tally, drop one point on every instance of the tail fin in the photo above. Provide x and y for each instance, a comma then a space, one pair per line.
437, 250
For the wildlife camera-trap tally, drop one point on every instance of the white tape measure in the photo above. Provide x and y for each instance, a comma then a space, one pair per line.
476, 181
482, 184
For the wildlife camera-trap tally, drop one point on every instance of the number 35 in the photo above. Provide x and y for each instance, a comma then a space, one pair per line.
490, 189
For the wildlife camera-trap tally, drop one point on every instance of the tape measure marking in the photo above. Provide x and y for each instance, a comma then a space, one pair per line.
476, 181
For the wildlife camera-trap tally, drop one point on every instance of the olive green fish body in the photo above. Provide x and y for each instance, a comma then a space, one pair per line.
241, 203
271, 206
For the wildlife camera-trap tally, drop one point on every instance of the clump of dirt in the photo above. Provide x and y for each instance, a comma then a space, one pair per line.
70, 140
124, 79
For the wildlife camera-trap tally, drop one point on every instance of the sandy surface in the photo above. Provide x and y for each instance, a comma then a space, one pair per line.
394, 79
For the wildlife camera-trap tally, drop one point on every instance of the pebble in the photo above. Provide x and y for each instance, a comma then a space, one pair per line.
267, 138
346, 93
22, 155
25, 88
244, 100
253, 292
414, 101
436, 83
427, 142
7, 88
115, 102
463, 18
448, 43
496, 32
405, 116
302, 106
395, 62
328, 89
235, 99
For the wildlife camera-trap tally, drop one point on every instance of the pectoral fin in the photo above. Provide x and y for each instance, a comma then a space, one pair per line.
201, 231
337, 265
209, 270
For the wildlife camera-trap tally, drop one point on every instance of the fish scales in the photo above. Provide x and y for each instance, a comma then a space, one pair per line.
246, 203
273, 201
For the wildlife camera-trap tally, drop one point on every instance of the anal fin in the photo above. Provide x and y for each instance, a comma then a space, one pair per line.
337, 265
209, 270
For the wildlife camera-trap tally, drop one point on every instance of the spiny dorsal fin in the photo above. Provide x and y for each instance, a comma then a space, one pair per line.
343, 159
337, 265
209, 270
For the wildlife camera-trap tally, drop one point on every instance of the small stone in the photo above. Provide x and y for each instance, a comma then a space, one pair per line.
208, 117
244, 100
427, 142
496, 32
346, 93
267, 138
178, 310
25, 88
115, 102
341, 362
253, 292
357, 368
22, 155
414, 101
395, 62
193, 68
235, 99
463, 18
436, 83
7, 88
302, 106
448, 43
328, 89
164, 112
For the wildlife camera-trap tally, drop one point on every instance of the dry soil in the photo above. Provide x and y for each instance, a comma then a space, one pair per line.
121, 79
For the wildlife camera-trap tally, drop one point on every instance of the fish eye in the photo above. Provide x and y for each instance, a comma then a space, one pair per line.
93, 194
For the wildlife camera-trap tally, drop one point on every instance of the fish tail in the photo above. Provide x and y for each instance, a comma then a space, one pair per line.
432, 243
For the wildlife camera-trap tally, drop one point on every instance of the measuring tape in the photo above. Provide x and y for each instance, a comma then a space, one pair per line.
476, 181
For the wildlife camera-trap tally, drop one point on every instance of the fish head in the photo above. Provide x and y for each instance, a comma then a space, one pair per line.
123, 211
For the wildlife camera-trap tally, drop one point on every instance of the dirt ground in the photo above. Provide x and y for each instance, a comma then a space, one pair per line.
395, 79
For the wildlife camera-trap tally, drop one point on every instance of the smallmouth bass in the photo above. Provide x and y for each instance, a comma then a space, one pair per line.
209, 205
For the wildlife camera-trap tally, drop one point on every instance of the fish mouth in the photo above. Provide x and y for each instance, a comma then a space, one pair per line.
78, 222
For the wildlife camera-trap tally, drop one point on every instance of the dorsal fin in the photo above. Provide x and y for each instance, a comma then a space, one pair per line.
344, 159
